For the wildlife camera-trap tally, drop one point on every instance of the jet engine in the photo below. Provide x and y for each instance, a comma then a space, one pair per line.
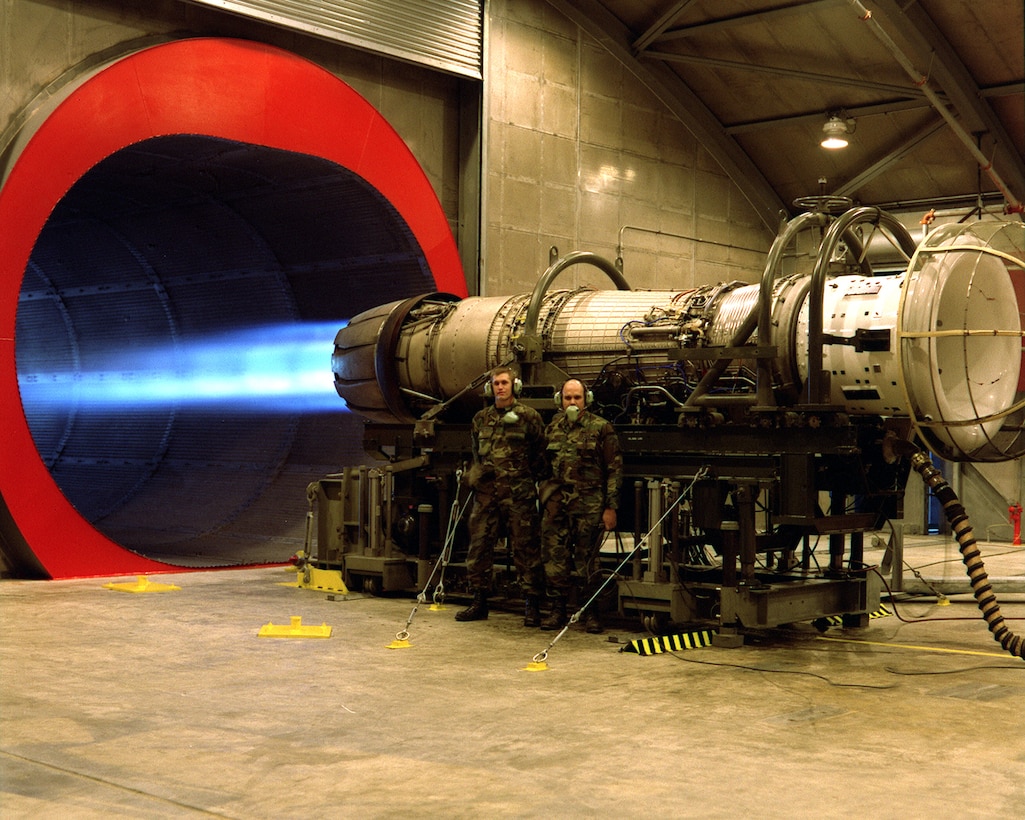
756, 419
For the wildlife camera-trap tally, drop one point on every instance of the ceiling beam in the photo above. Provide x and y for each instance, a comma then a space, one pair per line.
762, 16
660, 25
884, 162
1002, 89
876, 109
793, 73
914, 24
616, 38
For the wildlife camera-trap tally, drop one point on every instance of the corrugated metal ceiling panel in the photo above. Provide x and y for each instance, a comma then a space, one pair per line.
442, 34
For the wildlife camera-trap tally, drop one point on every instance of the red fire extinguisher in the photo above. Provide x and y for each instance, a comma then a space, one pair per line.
1014, 512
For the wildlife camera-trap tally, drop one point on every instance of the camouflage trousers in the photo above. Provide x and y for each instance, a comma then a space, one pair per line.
570, 533
516, 518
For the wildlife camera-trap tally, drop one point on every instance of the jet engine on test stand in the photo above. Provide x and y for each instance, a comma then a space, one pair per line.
755, 419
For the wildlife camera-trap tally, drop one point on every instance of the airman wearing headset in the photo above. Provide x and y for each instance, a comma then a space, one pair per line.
579, 501
508, 460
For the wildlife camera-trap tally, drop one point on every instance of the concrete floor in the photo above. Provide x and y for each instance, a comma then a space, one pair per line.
169, 705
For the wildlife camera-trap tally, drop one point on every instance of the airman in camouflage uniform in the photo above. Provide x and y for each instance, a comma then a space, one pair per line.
579, 501
508, 460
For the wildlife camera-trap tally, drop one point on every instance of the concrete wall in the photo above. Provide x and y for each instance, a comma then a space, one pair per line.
575, 148
578, 148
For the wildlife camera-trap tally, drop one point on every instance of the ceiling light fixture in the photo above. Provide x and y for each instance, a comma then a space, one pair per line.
835, 131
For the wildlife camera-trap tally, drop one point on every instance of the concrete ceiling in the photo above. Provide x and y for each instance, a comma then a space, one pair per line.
755, 80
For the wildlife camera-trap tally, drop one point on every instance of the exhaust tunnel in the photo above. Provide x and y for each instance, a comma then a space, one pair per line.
182, 236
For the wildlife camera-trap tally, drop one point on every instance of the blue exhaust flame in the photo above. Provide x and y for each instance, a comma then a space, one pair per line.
276, 369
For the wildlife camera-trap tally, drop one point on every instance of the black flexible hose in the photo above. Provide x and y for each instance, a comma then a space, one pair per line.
970, 554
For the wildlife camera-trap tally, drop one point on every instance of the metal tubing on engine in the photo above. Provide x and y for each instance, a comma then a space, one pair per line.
530, 346
554, 270
763, 312
719, 365
840, 229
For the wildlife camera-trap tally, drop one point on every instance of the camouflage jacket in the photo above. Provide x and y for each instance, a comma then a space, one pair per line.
585, 458
508, 454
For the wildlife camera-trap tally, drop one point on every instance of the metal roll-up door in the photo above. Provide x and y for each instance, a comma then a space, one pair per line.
443, 34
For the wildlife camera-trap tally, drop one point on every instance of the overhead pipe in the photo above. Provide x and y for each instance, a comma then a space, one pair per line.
1014, 206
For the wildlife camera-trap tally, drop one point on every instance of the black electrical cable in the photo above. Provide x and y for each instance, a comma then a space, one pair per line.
782, 672
893, 671
748, 668
896, 612
952, 560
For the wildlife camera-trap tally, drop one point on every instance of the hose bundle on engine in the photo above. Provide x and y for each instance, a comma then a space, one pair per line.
959, 523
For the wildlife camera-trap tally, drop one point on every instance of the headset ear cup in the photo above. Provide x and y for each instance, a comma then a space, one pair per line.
588, 398
489, 390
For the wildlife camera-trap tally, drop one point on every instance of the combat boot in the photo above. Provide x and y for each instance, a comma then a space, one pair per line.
531, 611
557, 619
592, 623
477, 610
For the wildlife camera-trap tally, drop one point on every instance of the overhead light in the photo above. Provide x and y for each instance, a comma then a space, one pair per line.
835, 131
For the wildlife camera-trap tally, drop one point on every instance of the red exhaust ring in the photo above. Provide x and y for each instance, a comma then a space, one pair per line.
229, 89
